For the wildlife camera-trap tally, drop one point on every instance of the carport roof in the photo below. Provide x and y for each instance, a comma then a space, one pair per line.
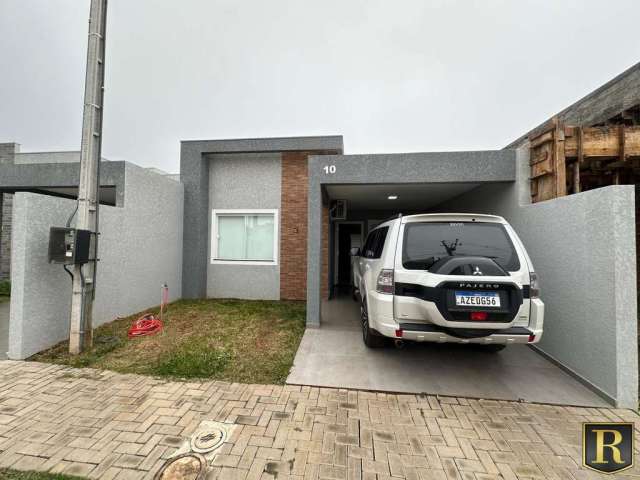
420, 167
473, 167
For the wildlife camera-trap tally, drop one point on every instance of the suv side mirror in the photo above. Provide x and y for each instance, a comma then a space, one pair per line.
354, 252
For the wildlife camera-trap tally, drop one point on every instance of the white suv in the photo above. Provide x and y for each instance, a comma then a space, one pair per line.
460, 278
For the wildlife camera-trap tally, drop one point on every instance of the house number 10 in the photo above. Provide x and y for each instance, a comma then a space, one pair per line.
329, 169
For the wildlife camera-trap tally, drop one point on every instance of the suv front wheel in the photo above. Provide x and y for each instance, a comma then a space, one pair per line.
370, 337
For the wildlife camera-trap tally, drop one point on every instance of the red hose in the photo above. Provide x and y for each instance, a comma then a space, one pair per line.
147, 324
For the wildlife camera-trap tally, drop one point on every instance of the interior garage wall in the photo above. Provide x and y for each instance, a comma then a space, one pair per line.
244, 181
140, 249
583, 248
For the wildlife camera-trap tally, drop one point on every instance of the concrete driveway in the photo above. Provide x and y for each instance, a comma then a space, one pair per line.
334, 356
4, 330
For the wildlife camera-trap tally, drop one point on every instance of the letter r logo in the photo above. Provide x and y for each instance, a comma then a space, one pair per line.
607, 447
601, 445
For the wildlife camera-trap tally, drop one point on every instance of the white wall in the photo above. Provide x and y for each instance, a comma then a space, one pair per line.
583, 247
140, 248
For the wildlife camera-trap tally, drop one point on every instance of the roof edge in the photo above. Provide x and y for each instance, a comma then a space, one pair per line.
618, 78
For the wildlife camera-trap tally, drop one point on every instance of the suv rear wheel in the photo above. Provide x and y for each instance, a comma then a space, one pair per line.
371, 338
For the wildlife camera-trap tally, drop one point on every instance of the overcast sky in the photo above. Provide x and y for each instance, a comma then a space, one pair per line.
391, 76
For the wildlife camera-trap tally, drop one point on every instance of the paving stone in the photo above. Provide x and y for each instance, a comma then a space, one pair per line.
27, 462
128, 461
36, 449
104, 425
226, 460
82, 455
378, 467
269, 453
78, 469
347, 439
130, 448
128, 474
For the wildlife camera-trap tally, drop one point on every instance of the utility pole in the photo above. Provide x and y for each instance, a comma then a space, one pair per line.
84, 281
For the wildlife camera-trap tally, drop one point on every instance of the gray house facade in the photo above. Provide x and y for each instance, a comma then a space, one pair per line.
344, 196
313, 217
246, 216
275, 218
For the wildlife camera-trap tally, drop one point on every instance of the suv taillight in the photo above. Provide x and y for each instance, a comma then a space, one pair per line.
385, 282
534, 285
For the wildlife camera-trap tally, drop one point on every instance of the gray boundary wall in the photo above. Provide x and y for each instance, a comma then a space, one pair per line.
140, 248
583, 248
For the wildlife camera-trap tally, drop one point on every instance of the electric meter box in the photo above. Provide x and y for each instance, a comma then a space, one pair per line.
69, 246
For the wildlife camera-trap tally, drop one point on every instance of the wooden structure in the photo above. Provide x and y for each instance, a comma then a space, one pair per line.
568, 159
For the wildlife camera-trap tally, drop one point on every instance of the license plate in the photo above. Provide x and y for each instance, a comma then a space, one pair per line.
477, 299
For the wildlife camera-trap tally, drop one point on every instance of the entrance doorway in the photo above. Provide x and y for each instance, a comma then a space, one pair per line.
348, 235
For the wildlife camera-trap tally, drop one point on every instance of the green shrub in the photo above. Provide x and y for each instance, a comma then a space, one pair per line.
5, 288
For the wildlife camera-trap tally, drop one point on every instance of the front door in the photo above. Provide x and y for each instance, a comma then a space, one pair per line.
349, 235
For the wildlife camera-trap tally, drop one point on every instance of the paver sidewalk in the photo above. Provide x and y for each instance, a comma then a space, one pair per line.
106, 425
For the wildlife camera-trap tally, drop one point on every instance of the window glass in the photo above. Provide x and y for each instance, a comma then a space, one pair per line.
259, 242
375, 243
379, 244
426, 243
231, 244
366, 251
246, 237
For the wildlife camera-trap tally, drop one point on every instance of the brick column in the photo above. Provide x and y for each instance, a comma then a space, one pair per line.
293, 227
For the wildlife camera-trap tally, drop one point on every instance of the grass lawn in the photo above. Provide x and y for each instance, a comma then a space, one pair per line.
7, 474
235, 340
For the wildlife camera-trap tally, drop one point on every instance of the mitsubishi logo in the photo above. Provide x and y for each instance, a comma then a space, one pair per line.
477, 271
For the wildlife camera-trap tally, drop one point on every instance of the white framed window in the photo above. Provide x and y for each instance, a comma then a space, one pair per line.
248, 237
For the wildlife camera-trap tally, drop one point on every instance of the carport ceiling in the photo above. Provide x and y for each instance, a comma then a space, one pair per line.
410, 196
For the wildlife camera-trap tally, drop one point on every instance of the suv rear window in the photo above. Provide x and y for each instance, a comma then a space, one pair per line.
375, 243
426, 243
